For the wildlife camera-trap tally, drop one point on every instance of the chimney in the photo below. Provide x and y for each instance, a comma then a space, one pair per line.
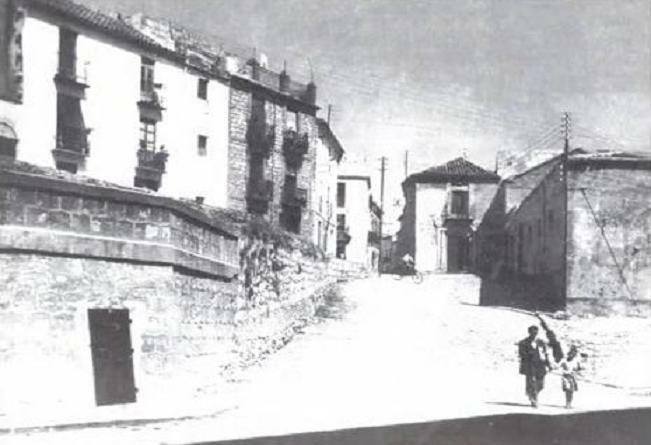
284, 79
310, 93
255, 68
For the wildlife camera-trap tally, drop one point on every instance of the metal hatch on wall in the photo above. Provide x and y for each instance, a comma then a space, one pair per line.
112, 356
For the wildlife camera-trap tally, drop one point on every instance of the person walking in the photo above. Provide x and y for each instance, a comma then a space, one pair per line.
570, 366
534, 364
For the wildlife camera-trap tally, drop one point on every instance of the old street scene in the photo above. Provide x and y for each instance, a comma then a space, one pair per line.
299, 222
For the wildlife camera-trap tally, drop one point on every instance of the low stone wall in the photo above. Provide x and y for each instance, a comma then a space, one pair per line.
202, 302
189, 334
44, 214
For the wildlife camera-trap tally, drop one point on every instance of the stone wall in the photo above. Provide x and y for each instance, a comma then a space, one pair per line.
203, 302
621, 201
189, 334
275, 166
45, 214
521, 254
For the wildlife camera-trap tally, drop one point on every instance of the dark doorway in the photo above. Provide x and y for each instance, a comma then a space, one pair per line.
457, 253
110, 340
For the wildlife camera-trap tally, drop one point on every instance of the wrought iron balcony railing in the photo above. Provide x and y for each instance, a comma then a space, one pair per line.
294, 196
295, 146
260, 137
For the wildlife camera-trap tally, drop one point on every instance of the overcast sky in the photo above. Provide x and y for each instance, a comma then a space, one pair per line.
436, 77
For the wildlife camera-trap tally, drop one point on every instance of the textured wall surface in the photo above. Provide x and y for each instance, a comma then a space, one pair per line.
188, 333
621, 201
275, 166
108, 223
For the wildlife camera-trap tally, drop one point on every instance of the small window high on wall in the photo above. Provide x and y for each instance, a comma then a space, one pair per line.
341, 194
146, 75
202, 89
202, 145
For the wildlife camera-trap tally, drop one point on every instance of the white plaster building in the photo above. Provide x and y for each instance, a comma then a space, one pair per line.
324, 188
97, 97
355, 220
443, 207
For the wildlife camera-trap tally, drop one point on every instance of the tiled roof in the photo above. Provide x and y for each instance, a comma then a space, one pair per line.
99, 21
457, 169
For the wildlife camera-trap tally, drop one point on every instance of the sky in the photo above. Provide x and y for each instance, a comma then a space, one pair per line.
446, 78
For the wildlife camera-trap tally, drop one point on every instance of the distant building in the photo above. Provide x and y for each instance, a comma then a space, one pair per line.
443, 207
355, 219
584, 247
328, 156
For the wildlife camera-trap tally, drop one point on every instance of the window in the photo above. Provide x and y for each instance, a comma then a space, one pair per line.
148, 135
459, 203
202, 145
67, 53
292, 120
202, 89
147, 75
290, 183
341, 194
341, 223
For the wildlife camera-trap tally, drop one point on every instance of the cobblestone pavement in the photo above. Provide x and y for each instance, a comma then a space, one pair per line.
398, 352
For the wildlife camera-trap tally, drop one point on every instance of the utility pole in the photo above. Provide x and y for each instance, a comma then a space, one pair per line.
566, 122
329, 113
383, 160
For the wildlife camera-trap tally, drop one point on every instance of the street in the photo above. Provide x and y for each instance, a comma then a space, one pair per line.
390, 352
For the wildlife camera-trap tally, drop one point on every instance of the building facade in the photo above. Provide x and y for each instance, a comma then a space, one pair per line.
553, 245
358, 221
138, 102
329, 153
113, 104
272, 149
443, 207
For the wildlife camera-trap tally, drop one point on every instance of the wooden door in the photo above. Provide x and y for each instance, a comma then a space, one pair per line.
112, 355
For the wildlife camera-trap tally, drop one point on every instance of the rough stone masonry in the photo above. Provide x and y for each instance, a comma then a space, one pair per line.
70, 246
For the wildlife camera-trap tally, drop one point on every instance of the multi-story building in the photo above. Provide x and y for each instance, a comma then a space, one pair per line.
98, 97
354, 218
579, 245
142, 103
443, 207
328, 156
272, 148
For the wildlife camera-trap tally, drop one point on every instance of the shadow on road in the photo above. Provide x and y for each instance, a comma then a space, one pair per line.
630, 427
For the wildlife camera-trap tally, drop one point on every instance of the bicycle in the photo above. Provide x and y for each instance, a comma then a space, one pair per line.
416, 275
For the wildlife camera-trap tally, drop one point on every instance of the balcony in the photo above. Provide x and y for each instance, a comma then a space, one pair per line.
72, 146
294, 196
150, 168
373, 238
258, 195
260, 137
343, 235
151, 103
295, 146
69, 81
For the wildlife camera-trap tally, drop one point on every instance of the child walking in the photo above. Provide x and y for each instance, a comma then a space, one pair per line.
570, 366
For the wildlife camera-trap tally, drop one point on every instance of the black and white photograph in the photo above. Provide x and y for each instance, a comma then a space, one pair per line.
314, 222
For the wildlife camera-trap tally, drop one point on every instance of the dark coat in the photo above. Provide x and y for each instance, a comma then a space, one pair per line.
533, 357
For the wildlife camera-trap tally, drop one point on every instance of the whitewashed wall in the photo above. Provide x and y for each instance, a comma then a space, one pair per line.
325, 191
111, 111
358, 219
430, 200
